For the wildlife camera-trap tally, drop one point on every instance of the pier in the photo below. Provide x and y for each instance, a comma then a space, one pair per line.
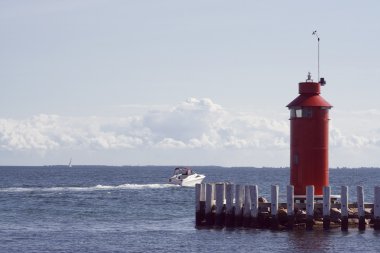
219, 205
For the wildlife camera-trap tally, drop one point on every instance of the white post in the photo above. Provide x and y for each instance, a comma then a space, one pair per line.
197, 197
274, 206
209, 202
290, 205
209, 197
229, 198
239, 195
247, 207
203, 192
254, 205
274, 200
376, 208
360, 201
198, 204
200, 197
326, 206
290, 199
344, 201
229, 205
219, 188
224, 190
309, 206
344, 207
254, 192
326, 200
310, 200
361, 212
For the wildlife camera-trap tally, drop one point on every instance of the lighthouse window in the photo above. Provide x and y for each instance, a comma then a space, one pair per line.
307, 113
292, 113
295, 159
301, 113
298, 113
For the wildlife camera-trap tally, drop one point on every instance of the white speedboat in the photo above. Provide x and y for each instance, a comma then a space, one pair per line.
186, 177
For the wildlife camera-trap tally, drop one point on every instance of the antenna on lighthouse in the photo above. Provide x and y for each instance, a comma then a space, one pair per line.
316, 34
320, 80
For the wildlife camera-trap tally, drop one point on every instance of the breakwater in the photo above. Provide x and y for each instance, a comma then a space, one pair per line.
220, 205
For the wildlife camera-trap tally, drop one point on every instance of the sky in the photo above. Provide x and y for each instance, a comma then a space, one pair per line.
168, 82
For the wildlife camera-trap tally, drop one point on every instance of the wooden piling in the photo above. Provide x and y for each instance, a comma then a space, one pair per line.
361, 211
247, 207
344, 208
290, 205
229, 218
239, 197
253, 189
215, 205
200, 197
376, 208
219, 203
274, 207
326, 207
309, 207
210, 193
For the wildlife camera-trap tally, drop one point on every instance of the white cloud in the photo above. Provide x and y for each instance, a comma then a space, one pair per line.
200, 123
170, 143
355, 129
29, 134
52, 132
195, 124
338, 140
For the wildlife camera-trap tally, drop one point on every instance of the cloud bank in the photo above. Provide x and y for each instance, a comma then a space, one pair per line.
195, 123
196, 126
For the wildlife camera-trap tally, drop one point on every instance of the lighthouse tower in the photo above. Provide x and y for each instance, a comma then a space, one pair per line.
309, 118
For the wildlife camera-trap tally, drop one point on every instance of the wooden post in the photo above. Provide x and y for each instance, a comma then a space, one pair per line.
254, 205
229, 218
309, 207
344, 207
219, 189
200, 197
290, 205
197, 204
210, 192
274, 206
376, 209
239, 197
247, 207
326, 207
361, 213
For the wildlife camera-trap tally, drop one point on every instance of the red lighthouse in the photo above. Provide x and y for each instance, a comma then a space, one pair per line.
309, 118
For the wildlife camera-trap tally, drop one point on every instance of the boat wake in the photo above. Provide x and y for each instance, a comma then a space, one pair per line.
89, 188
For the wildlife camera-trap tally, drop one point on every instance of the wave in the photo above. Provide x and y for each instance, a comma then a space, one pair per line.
89, 188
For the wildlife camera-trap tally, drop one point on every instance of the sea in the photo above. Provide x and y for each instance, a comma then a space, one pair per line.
134, 209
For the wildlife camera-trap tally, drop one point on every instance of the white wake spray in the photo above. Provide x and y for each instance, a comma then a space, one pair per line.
89, 188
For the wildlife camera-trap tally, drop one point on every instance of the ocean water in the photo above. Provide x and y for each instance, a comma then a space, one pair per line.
133, 209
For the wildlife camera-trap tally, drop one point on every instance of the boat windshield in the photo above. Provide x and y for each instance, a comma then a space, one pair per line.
182, 171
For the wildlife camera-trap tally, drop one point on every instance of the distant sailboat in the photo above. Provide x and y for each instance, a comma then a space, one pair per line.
69, 165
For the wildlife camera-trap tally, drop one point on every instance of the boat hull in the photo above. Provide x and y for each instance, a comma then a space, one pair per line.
189, 181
